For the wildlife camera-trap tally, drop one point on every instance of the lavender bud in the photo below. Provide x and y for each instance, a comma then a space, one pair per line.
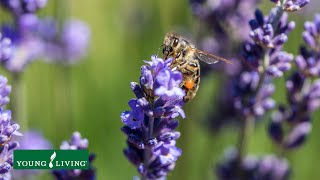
308, 39
298, 135
5, 48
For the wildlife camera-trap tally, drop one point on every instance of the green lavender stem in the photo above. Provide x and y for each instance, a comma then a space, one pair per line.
245, 132
63, 98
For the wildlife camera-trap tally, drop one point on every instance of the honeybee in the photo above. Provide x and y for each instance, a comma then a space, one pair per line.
186, 60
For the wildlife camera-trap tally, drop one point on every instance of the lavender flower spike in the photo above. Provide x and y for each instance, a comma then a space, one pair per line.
8, 130
268, 36
150, 124
303, 98
76, 143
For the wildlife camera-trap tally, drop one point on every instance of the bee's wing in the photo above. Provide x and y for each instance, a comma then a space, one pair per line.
209, 58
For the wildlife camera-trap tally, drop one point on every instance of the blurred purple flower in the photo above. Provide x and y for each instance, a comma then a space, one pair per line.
69, 46
308, 61
303, 98
26, 46
268, 35
150, 125
251, 91
222, 20
271, 167
19, 7
280, 62
5, 48
225, 17
33, 140
244, 102
251, 85
25, 52
268, 167
32, 38
76, 143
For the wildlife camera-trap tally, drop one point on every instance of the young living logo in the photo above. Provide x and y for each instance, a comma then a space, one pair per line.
57, 160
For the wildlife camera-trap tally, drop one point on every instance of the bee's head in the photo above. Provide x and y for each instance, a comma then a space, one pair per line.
170, 44
171, 39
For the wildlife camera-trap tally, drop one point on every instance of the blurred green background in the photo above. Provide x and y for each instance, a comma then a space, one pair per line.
89, 96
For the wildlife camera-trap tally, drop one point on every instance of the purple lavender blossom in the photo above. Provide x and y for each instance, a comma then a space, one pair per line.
251, 85
76, 143
308, 61
268, 167
25, 52
244, 102
267, 34
8, 130
6, 156
150, 124
33, 140
75, 37
26, 46
5, 90
280, 62
68, 47
271, 167
19, 7
264, 55
303, 98
268, 40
